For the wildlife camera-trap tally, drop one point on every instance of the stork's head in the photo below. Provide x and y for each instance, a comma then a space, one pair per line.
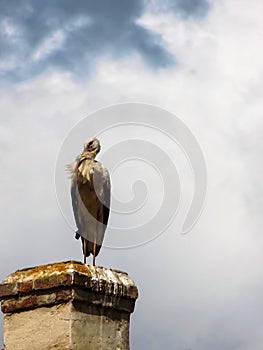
92, 145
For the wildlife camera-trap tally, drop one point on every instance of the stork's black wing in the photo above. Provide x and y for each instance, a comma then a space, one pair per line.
102, 186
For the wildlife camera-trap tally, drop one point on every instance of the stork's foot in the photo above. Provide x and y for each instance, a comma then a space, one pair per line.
84, 250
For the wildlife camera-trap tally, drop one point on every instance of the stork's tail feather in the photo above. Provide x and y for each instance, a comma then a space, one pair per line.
77, 235
71, 169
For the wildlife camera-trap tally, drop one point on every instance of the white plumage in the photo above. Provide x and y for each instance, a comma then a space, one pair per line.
90, 193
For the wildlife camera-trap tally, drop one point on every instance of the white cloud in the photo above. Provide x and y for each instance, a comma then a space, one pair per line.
206, 284
53, 43
8, 28
56, 40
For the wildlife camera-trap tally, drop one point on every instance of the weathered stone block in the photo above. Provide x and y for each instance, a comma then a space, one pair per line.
67, 306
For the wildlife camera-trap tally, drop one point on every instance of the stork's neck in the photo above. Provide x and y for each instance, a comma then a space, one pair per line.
88, 155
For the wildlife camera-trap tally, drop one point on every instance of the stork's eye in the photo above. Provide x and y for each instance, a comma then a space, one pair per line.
90, 143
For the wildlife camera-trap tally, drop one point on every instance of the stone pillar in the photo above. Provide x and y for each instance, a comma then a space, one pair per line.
67, 305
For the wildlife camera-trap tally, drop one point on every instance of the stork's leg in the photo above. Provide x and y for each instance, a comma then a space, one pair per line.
85, 250
94, 249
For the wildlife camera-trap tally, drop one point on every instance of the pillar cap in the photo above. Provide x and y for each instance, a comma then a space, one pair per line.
71, 280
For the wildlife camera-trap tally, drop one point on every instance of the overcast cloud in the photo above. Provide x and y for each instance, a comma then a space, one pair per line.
71, 35
60, 61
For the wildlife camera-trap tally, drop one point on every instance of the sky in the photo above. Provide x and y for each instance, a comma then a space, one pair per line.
201, 61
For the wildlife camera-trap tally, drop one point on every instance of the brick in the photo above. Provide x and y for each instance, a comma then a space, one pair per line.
7, 289
18, 304
25, 287
52, 281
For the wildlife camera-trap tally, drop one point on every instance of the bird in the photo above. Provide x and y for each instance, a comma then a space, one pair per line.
90, 197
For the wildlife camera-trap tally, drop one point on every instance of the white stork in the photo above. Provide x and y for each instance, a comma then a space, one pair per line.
90, 193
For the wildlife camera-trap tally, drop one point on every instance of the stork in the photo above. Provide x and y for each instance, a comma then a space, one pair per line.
90, 194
